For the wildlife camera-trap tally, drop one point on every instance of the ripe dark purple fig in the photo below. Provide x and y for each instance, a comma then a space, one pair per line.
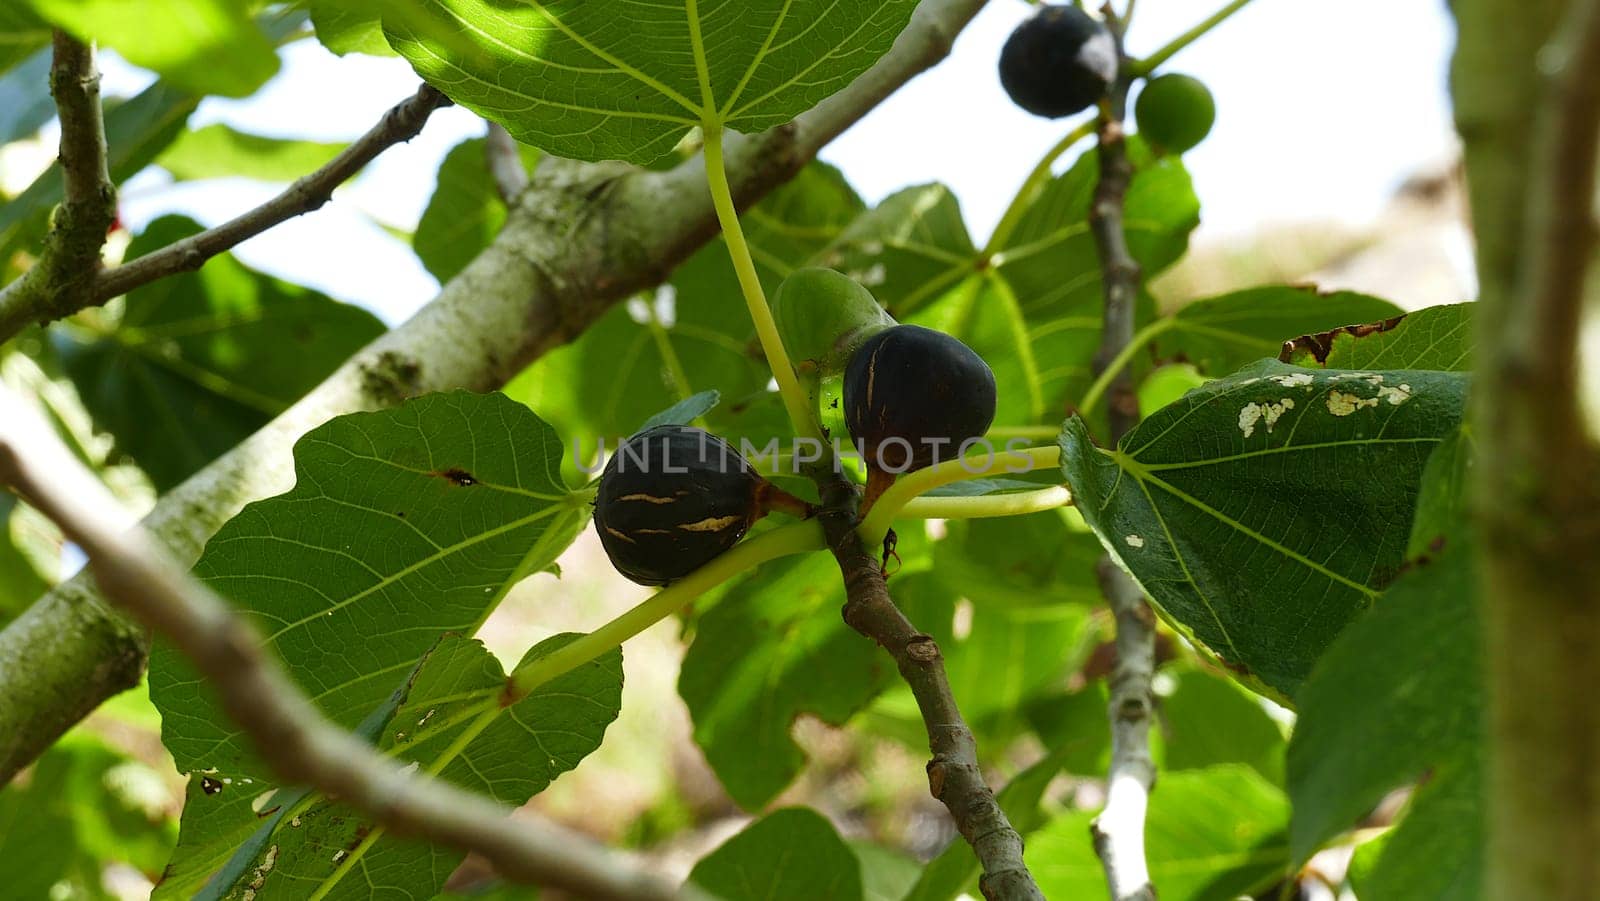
1058, 62
912, 394
673, 498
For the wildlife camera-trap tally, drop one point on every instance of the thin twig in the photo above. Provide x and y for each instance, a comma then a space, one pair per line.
1119, 829
45, 294
401, 123
1149, 63
63, 278
299, 743
954, 777
504, 160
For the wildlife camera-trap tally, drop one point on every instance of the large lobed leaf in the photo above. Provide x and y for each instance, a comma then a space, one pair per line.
1263, 512
402, 526
626, 79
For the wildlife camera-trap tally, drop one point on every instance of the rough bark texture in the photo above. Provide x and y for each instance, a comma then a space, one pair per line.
1525, 79
69, 262
580, 238
954, 777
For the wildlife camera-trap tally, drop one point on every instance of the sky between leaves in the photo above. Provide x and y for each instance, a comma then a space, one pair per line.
1305, 90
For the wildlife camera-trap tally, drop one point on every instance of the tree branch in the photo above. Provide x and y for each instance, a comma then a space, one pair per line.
579, 240
1119, 829
954, 777
401, 123
288, 731
53, 298
1526, 82
504, 160
63, 278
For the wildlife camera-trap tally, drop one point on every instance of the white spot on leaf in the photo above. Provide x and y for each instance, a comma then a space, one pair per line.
1395, 396
1134, 541
1342, 404
1293, 380
1250, 414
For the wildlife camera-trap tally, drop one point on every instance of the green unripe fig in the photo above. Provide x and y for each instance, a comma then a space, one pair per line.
823, 316
1174, 112
1058, 62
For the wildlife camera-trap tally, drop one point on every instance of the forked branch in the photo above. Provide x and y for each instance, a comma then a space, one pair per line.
74, 281
301, 746
62, 281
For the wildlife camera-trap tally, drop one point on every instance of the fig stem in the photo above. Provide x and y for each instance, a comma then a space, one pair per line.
782, 542
976, 466
989, 505
1143, 67
772, 498
795, 399
1031, 186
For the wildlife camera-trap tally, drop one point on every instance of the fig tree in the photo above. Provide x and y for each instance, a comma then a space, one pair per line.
672, 498
1058, 62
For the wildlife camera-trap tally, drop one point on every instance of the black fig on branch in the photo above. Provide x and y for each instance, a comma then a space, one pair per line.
1058, 62
912, 396
673, 498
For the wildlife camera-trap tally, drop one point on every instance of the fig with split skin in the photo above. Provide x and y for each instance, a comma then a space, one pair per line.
673, 498
1059, 62
912, 397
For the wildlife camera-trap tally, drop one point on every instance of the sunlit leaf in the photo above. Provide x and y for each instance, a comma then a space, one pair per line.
203, 46
1052, 265
626, 79
350, 26
221, 151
